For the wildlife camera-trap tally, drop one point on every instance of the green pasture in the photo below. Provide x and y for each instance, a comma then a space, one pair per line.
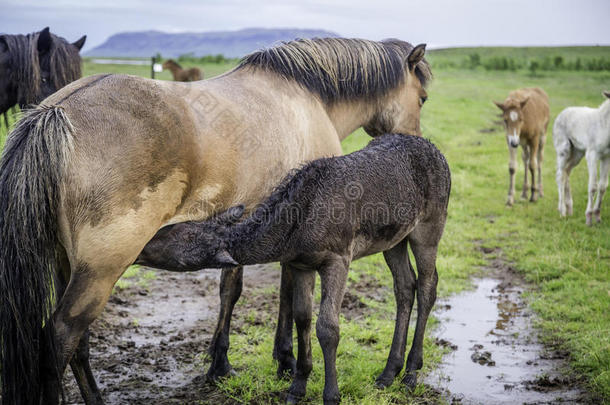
566, 262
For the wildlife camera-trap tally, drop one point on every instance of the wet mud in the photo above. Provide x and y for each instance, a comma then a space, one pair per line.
495, 356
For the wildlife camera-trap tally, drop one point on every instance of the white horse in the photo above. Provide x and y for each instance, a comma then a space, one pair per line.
578, 132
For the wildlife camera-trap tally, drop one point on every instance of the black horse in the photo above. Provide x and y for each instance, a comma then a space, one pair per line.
34, 66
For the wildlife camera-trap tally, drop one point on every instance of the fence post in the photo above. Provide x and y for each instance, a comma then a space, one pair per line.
152, 67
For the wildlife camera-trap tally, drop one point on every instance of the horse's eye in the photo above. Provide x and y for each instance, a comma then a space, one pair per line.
422, 100
44, 80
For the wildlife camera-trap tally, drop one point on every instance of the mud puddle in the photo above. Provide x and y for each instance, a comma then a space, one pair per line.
496, 357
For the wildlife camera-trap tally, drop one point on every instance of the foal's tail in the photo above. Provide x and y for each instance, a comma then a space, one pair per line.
31, 169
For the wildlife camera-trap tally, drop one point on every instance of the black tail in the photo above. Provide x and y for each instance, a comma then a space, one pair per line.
31, 169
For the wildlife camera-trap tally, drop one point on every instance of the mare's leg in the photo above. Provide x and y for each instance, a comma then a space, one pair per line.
512, 168
304, 282
540, 159
397, 259
282, 348
533, 170
601, 187
231, 284
82, 302
424, 241
80, 361
333, 276
592, 159
525, 156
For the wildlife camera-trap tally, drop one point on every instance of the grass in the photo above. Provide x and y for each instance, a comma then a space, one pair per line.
567, 262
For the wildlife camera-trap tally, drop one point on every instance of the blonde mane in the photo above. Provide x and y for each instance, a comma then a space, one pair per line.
340, 69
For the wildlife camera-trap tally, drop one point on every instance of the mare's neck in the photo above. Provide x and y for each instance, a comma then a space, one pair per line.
348, 116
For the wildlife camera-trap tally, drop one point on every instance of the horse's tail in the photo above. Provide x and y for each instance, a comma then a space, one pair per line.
31, 170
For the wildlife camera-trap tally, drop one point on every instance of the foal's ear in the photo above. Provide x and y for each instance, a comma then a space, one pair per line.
415, 56
224, 259
79, 44
500, 105
44, 40
607, 94
524, 102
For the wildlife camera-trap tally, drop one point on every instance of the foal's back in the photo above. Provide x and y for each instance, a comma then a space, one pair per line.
369, 200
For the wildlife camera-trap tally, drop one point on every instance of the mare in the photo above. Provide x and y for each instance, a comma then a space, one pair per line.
89, 176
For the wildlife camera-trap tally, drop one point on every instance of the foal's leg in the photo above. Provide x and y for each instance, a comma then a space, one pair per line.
304, 282
512, 169
397, 259
424, 244
333, 276
601, 187
574, 159
564, 152
533, 170
282, 348
592, 159
525, 156
540, 159
231, 284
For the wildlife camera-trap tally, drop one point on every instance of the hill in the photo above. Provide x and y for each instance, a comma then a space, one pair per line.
228, 43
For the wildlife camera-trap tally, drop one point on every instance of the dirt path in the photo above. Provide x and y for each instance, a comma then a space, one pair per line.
496, 357
146, 347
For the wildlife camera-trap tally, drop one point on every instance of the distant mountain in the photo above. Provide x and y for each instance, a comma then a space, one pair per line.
228, 43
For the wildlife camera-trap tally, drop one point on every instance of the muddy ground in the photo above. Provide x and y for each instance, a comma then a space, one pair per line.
148, 346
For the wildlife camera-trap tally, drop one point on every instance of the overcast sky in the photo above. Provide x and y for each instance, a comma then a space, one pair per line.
436, 22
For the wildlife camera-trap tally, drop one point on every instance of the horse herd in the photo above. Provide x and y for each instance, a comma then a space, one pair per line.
112, 169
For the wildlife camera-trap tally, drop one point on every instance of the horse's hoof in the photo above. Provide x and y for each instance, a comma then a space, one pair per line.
383, 382
286, 370
214, 378
589, 219
293, 399
410, 380
333, 401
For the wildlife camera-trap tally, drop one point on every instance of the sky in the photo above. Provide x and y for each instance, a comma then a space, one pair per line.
439, 23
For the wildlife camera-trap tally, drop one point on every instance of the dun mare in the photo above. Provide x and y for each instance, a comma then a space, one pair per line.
180, 74
584, 131
34, 66
526, 117
89, 176
391, 194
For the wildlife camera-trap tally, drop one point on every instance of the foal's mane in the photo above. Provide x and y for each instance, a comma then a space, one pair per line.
340, 69
63, 62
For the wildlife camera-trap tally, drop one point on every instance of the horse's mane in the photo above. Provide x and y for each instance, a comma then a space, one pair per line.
62, 60
338, 68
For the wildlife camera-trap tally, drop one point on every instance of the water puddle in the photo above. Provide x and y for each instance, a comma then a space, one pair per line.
495, 356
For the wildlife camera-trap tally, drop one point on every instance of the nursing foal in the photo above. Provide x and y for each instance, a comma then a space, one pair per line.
389, 195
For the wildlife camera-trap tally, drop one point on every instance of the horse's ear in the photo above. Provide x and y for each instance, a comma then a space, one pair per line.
44, 40
415, 56
524, 102
79, 44
500, 105
224, 259
607, 94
